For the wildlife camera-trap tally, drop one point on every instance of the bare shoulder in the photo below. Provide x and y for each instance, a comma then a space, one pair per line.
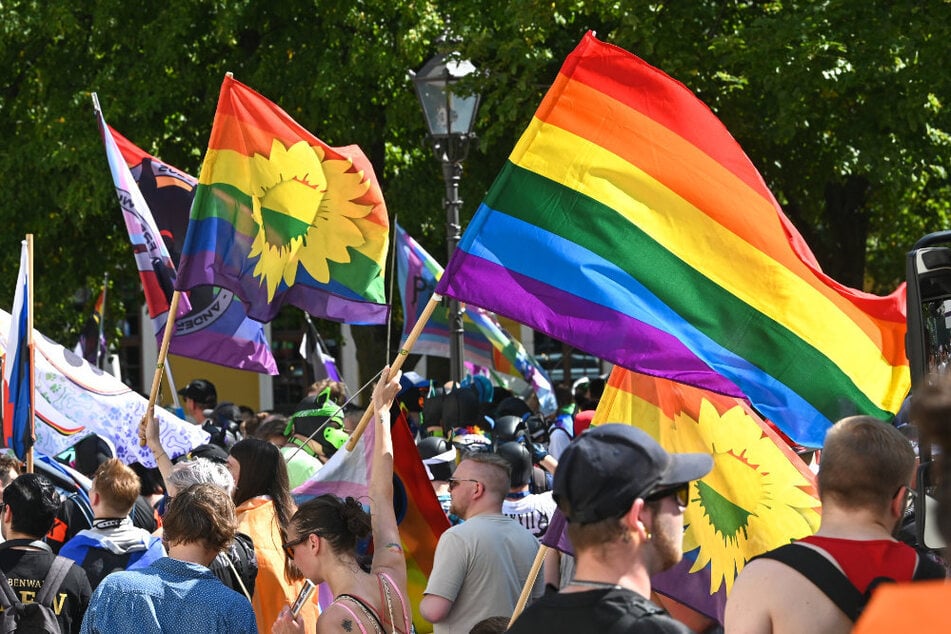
337, 618
770, 597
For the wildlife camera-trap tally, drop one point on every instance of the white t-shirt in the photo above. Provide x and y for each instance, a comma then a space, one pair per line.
532, 511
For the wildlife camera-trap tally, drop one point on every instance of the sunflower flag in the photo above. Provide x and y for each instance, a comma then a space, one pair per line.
759, 495
280, 217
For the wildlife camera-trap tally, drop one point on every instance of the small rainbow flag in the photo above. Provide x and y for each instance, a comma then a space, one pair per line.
628, 222
487, 342
280, 217
759, 495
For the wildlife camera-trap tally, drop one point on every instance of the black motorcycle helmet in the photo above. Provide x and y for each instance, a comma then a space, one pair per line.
430, 448
521, 460
508, 428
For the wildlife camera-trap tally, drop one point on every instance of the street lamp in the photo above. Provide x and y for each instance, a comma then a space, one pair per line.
450, 116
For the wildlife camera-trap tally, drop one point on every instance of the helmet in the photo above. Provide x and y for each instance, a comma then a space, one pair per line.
521, 460
430, 448
512, 405
312, 413
509, 428
461, 409
537, 428
432, 411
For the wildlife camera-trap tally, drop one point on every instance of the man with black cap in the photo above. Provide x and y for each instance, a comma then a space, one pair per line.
623, 497
199, 395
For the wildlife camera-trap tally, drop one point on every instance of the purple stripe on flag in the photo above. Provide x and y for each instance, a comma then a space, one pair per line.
692, 589
201, 269
594, 328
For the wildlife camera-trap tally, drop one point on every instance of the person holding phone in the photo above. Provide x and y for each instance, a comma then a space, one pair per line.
322, 539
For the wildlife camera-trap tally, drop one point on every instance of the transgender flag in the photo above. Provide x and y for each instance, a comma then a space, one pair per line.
421, 519
18, 366
628, 223
155, 199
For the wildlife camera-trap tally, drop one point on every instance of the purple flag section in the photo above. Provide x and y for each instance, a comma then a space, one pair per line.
678, 582
557, 536
155, 199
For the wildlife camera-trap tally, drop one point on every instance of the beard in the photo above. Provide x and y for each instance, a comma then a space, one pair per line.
667, 541
456, 509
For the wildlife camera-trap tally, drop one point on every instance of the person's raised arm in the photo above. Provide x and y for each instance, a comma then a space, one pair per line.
387, 550
149, 430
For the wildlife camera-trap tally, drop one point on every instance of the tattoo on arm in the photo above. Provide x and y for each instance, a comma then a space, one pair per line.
394, 547
347, 625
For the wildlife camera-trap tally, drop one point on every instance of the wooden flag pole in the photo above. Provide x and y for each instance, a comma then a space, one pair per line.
29, 347
529, 583
160, 365
397, 363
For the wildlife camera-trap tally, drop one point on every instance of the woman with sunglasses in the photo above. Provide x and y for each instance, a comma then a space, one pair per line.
322, 541
264, 508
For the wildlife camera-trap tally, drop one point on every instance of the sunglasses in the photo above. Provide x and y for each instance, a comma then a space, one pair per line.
453, 482
289, 546
680, 493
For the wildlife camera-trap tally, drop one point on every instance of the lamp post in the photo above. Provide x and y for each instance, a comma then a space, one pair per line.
450, 116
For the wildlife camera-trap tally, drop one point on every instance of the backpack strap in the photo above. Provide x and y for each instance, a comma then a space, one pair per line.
8, 597
53, 581
823, 574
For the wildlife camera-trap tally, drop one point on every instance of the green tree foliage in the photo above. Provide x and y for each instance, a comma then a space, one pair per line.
839, 104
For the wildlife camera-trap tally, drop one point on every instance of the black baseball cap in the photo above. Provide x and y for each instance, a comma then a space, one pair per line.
210, 452
200, 391
602, 471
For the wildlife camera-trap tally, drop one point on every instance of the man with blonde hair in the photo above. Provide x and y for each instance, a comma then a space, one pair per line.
864, 473
113, 543
481, 564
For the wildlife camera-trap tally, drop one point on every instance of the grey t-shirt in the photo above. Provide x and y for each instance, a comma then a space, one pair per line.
481, 566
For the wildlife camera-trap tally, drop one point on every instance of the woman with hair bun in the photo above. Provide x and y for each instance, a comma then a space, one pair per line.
323, 535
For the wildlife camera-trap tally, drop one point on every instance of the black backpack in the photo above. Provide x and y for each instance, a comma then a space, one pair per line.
38, 617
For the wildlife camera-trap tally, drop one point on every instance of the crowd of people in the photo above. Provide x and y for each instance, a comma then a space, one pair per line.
213, 540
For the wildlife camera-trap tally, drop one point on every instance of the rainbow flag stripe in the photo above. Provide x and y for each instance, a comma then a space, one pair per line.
280, 217
487, 342
629, 223
759, 495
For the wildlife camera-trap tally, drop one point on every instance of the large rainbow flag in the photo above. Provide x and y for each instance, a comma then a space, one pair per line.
628, 222
759, 495
155, 199
421, 519
487, 342
280, 217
